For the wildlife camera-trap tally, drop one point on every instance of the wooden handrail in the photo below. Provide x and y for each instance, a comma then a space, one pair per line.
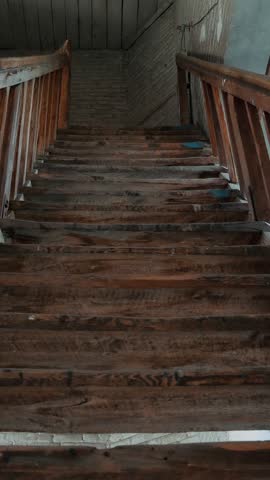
237, 105
34, 97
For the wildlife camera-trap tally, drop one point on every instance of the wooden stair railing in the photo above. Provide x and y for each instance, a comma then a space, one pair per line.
237, 105
34, 95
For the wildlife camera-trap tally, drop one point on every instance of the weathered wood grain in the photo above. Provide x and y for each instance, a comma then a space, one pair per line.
235, 461
92, 409
148, 236
132, 263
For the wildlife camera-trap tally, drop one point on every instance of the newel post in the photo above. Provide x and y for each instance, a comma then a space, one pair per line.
65, 89
184, 104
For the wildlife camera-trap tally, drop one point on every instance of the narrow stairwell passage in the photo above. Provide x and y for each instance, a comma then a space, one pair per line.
134, 291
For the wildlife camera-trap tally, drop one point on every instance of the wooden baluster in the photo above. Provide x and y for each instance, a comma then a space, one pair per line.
210, 117
228, 109
55, 105
21, 140
54, 108
10, 145
64, 98
267, 124
224, 133
27, 132
37, 120
44, 115
4, 103
262, 156
239, 153
184, 104
34, 125
50, 110
253, 178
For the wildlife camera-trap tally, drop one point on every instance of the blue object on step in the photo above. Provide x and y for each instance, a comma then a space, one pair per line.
194, 145
221, 194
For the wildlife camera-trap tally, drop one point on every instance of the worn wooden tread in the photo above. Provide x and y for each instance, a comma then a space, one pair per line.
134, 292
83, 173
140, 409
132, 236
186, 160
62, 184
135, 263
214, 213
138, 198
241, 461
112, 153
193, 295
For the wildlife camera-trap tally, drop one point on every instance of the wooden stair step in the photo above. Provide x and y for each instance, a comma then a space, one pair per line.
100, 376
85, 174
140, 409
132, 264
125, 146
126, 162
151, 236
131, 138
72, 321
244, 461
81, 130
123, 171
253, 251
192, 294
116, 153
219, 212
80, 186
138, 198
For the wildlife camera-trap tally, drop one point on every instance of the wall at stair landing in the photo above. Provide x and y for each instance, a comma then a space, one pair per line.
249, 42
98, 88
152, 78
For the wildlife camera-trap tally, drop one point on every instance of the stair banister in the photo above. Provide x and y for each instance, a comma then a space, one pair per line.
237, 105
34, 97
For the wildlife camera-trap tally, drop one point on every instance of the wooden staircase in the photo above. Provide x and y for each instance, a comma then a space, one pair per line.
135, 290
134, 277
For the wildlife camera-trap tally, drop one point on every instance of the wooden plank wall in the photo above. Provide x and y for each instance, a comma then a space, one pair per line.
46, 24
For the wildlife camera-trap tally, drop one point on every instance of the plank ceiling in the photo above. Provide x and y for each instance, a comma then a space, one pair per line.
98, 24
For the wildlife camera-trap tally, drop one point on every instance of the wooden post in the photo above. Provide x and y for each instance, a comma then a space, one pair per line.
64, 91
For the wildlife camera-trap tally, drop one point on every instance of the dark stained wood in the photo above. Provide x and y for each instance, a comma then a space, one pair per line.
10, 144
125, 409
30, 97
134, 285
20, 231
232, 461
239, 83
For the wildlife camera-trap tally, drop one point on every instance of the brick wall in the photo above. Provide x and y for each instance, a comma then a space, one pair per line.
98, 88
152, 77
128, 88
